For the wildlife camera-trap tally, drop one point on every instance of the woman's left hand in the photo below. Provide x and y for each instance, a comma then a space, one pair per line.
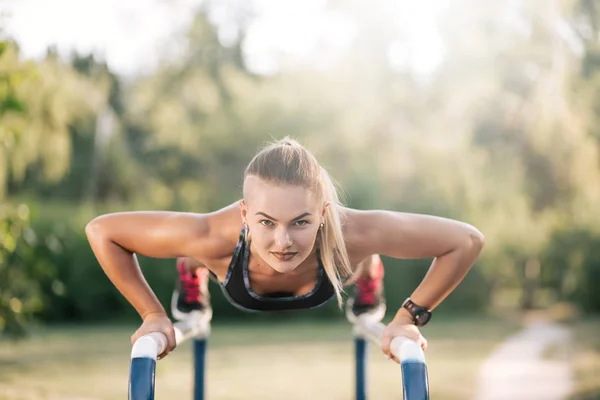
401, 326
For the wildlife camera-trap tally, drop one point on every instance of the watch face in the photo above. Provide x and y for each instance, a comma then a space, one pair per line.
423, 318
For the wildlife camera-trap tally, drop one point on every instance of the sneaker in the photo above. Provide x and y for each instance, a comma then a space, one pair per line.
191, 297
368, 299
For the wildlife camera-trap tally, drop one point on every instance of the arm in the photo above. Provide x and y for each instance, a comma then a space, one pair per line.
453, 245
115, 238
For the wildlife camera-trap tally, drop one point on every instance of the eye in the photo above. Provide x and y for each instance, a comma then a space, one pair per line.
266, 222
301, 223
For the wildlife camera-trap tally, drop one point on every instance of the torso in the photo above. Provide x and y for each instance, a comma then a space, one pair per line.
265, 282
262, 279
251, 286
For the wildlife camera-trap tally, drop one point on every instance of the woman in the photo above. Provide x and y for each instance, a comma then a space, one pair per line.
288, 244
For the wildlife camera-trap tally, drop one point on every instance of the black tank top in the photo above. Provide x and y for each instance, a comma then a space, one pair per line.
237, 290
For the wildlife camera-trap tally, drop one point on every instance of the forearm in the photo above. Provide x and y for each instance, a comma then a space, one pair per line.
124, 272
444, 275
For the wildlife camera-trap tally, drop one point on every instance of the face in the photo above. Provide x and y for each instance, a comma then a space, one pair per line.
283, 221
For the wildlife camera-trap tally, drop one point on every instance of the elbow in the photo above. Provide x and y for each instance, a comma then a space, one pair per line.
476, 240
94, 229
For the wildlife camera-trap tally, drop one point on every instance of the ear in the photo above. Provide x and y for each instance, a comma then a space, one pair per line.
325, 206
244, 211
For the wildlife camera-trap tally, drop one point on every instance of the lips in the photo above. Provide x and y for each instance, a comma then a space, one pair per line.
284, 256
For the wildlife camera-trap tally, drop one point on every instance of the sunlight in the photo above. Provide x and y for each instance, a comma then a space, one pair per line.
128, 34
297, 31
420, 47
133, 35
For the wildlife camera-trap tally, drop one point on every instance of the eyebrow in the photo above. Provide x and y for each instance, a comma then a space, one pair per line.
306, 214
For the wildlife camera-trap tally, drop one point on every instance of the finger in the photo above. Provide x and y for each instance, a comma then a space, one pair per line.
393, 356
385, 343
424, 344
171, 342
163, 354
387, 353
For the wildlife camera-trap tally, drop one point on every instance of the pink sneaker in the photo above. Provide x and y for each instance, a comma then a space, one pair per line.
191, 294
368, 296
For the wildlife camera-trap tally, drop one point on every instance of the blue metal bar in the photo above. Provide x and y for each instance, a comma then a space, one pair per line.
141, 378
360, 347
146, 349
415, 382
199, 362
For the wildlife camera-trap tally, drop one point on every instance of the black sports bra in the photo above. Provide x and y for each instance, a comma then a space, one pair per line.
237, 290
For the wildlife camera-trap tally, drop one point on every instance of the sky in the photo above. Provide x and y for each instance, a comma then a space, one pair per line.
150, 26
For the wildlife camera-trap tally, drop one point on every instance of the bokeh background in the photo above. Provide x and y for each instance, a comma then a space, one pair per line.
487, 112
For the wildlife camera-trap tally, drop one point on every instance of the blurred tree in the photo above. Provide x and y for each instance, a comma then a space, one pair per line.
37, 136
20, 294
503, 134
188, 130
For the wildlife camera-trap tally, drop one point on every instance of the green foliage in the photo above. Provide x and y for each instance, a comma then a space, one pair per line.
503, 136
573, 266
39, 103
23, 266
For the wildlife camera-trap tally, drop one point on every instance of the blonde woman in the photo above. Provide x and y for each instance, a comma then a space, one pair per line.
288, 244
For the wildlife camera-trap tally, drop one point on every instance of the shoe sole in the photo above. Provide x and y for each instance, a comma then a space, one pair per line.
377, 314
205, 314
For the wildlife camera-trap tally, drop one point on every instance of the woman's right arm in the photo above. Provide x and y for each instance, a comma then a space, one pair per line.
116, 238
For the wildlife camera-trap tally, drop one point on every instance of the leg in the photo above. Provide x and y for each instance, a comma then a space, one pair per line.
191, 294
368, 295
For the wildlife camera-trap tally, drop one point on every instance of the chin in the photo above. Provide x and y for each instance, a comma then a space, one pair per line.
285, 266
283, 269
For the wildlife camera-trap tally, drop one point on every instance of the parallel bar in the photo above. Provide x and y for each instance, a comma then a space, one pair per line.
199, 361
360, 346
140, 385
411, 356
146, 349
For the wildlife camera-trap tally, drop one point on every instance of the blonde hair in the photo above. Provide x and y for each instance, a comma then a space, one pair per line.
288, 162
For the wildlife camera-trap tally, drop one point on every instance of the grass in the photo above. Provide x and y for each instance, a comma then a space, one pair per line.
291, 360
586, 360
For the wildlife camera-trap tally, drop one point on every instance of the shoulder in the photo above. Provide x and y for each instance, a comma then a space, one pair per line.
222, 228
368, 232
357, 227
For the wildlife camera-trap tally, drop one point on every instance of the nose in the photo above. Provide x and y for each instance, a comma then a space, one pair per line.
282, 238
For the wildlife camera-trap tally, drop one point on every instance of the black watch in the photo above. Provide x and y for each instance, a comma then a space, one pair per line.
421, 315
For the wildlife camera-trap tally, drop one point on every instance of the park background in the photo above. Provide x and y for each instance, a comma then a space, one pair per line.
486, 112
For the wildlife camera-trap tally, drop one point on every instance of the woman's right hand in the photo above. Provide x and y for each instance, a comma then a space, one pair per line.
157, 322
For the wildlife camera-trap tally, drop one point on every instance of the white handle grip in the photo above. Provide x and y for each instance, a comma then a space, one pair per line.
149, 346
152, 344
406, 349
402, 347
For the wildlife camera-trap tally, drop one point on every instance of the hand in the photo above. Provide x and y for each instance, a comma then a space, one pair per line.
401, 326
157, 322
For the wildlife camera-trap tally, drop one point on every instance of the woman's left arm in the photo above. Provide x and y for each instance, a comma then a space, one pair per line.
454, 246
